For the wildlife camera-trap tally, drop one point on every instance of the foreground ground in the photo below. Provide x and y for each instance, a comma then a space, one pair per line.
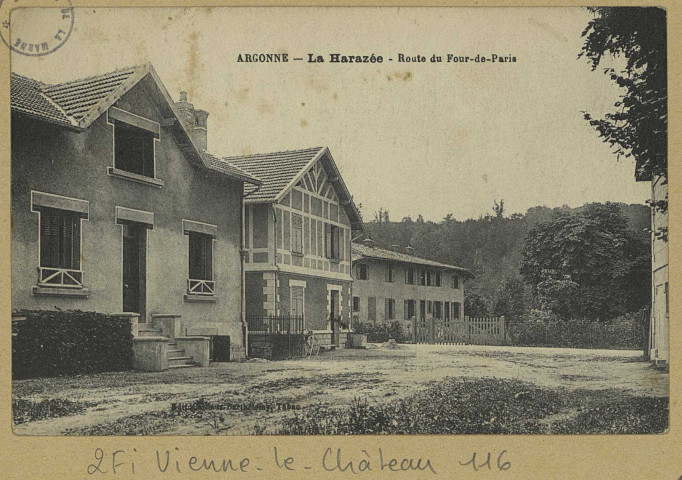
482, 389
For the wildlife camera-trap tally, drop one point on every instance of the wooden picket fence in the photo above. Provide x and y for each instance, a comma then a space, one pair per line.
469, 331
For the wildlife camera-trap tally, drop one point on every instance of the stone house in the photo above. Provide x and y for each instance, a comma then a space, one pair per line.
394, 285
117, 208
298, 230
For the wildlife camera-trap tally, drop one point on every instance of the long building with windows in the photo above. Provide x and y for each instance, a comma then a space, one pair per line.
395, 285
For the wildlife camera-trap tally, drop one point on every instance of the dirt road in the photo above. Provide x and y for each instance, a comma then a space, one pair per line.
139, 403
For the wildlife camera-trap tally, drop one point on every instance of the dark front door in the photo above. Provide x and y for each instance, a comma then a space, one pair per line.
133, 268
334, 314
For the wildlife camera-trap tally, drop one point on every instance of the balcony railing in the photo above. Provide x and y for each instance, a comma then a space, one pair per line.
200, 287
60, 277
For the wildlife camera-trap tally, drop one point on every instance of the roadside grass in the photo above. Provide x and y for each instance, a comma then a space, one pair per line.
486, 406
24, 411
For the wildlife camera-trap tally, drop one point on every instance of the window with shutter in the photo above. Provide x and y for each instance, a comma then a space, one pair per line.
200, 270
59, 239
372, 309
200, 256
390, 309
388, 274
356, 304
332, 241
60, 248
296, 234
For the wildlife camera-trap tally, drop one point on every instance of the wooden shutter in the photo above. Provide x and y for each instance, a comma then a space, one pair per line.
49, 238
328, 240
200, 256
337, 243
372, 308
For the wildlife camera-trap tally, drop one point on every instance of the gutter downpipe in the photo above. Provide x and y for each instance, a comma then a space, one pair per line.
274, 254
352, 282
242, 254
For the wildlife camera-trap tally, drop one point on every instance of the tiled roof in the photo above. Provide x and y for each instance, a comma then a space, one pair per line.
361, 251
77, 103
27, 98
276, 170
79, 96
223, 166
67, 102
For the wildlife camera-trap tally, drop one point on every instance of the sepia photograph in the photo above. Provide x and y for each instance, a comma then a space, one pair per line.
338, 221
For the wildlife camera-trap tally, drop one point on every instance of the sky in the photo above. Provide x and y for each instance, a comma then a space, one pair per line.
413, 138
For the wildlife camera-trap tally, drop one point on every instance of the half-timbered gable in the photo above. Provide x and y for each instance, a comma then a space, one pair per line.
299, 227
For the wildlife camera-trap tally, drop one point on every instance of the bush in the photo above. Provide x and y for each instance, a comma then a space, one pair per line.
24, 411
381, 332
545, 329
50, 343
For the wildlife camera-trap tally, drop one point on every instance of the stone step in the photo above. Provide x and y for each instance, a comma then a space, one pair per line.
148, 329
175, 352
180, 361
184, 365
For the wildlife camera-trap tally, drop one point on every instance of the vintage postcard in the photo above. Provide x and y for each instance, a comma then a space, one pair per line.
239, 233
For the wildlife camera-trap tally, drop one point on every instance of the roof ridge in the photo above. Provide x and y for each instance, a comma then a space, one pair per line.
251, 155
37, 85
91, 77
27, 78
221, 159
407, 255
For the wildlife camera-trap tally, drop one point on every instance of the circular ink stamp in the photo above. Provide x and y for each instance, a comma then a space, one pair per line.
37, 31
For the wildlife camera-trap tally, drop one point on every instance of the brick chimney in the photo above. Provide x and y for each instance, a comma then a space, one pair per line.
194, 120
409, 250
368, 242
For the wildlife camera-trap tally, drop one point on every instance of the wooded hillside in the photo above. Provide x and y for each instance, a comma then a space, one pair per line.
493, 246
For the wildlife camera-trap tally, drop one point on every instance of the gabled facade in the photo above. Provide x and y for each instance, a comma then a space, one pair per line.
392, 286
115, 208
298, 230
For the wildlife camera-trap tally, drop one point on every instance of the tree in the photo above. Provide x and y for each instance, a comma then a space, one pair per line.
639, 125
588, 262
498, 208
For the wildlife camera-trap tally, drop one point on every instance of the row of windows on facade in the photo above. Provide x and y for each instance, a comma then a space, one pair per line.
60, 244
134, 153
425, 277
332, 238
444, 310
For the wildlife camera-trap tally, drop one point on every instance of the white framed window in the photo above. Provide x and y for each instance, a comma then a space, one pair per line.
134, 147
200, 274
59, 239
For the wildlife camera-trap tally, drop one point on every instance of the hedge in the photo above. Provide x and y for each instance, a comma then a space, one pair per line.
381, 332
543, 329
67, 342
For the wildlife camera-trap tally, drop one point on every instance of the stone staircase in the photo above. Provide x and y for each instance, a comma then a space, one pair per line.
176, 356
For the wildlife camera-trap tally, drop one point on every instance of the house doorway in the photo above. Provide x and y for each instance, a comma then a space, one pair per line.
334, 316
134, 268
